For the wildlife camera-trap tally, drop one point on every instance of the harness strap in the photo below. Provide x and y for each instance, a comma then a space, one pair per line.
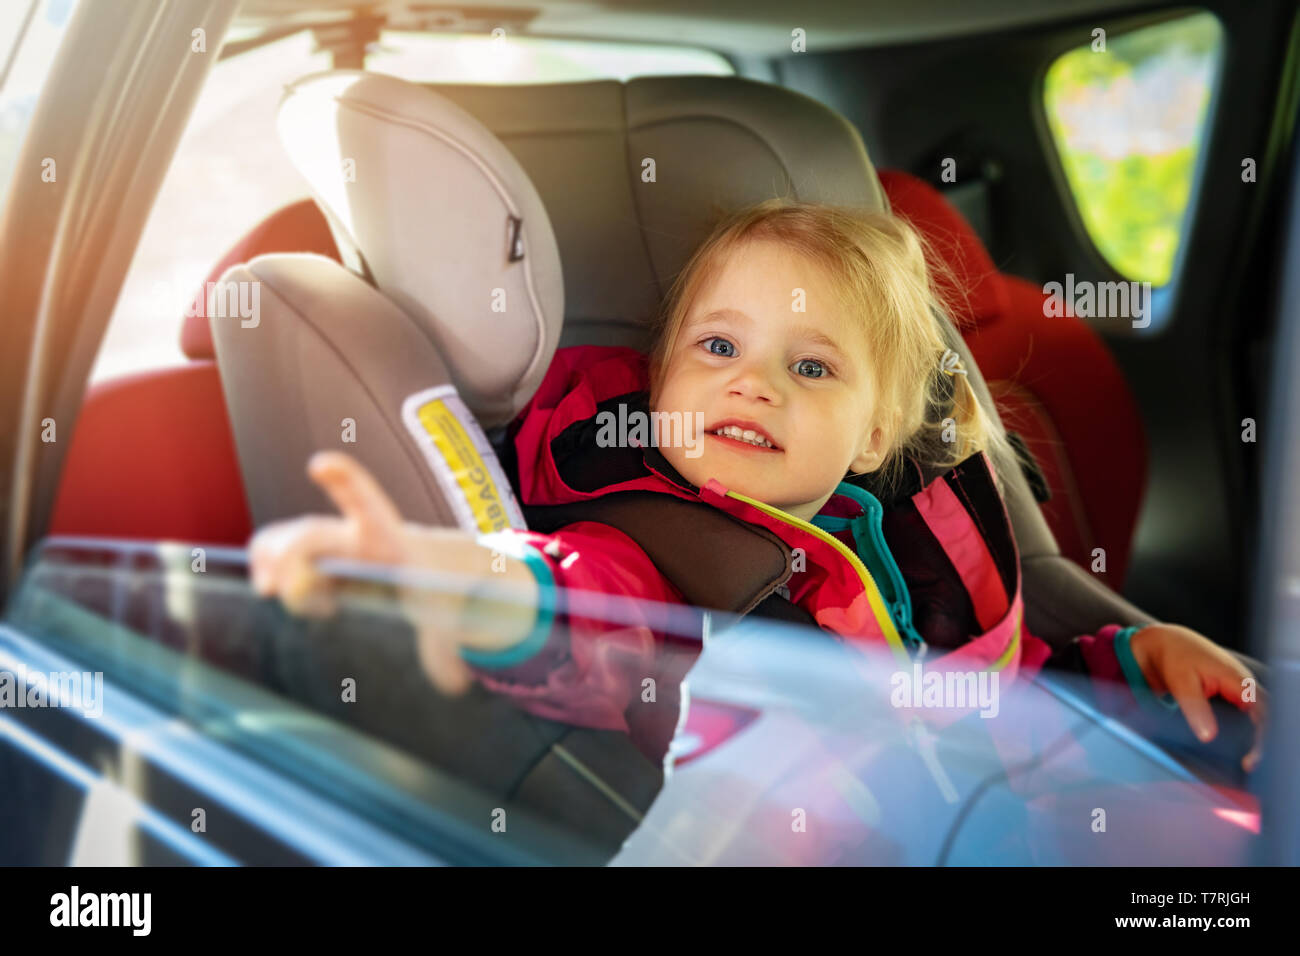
955, 530
757, 560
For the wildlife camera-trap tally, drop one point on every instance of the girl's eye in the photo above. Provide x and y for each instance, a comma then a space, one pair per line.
811, 368
720, 346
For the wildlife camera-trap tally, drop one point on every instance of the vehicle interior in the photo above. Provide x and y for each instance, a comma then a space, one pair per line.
1143, 504
1116, 453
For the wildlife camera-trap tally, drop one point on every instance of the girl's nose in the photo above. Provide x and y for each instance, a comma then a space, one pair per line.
756, 381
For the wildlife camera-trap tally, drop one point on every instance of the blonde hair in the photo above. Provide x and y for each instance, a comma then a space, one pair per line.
877, 263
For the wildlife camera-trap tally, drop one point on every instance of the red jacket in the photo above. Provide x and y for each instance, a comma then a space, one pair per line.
597, 670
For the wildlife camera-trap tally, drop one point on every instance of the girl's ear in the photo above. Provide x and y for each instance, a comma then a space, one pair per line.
872, 456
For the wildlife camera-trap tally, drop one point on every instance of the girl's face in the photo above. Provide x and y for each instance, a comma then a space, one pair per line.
800, 379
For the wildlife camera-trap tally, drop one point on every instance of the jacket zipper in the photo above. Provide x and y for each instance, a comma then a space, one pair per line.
901, 606
874, 598
917, 734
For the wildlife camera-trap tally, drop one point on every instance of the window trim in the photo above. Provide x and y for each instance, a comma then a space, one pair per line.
1164, 298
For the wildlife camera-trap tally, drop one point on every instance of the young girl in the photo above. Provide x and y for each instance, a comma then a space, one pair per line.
807, 341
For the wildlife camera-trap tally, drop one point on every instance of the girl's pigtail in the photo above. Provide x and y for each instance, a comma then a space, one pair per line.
956, 412
970, 427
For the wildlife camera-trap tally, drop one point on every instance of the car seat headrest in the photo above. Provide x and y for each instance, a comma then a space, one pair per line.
635, 174
430, 207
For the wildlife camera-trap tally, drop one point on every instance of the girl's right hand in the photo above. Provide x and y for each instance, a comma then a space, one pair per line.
282, 558
1192, 668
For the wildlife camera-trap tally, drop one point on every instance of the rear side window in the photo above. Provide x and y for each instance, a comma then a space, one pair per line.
1127, 115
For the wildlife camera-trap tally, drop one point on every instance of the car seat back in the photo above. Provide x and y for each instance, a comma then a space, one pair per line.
635, 174
332, 363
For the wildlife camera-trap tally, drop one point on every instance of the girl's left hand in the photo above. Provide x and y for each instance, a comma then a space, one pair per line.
1181, 662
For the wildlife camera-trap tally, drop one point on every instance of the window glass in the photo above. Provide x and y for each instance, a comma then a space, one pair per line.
796, 748
229, 172
338, 705
1127, 114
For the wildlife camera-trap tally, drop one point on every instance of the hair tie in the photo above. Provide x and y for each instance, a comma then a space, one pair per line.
950, 364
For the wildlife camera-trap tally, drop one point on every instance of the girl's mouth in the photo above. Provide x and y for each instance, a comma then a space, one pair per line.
742, 439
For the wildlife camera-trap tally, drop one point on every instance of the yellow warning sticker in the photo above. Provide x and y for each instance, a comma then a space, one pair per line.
466, 467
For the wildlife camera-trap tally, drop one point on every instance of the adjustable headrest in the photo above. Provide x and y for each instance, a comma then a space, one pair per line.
633, 175
636, 173
980, 295
435, 211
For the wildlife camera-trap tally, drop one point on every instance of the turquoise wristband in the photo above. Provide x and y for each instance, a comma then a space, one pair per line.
536, 639
1137, 682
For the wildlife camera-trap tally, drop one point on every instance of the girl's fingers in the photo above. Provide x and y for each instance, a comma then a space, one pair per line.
1258, 712
1187, 689
282, 558
441, 661
1228, 678
308, 593
357, 494
274, 546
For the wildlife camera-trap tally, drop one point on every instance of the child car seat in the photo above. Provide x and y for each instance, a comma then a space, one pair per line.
633, 175
467, 263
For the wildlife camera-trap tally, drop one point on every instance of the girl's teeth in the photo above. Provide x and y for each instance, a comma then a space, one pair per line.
746, 435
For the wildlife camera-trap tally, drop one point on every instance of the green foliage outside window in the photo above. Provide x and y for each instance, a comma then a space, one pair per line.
1128, 123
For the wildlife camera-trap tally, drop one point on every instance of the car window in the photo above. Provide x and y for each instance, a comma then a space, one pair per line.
796, 748
29, 37
1128, 115
339, 705
229, 172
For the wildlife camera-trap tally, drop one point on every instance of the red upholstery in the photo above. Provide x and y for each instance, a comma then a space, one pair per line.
153, 455
1055, 384
297, 227
979, 295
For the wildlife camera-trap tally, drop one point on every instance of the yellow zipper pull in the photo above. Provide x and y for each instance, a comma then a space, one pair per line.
879, 609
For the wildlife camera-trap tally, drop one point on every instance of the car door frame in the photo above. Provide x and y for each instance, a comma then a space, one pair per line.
115, 102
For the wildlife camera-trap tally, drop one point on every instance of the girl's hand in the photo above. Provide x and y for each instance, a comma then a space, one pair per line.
282, 558
1181, 662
